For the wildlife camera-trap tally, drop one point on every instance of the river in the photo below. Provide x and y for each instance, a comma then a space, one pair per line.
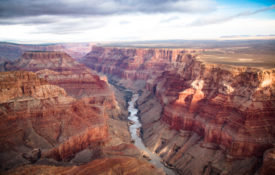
155, 159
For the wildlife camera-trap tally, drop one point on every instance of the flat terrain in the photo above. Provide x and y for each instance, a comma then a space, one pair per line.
240, 56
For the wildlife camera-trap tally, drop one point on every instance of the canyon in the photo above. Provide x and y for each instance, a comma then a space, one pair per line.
201, 118
57, 114
62, 116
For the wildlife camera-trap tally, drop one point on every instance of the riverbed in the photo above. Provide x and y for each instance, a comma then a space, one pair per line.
136, 125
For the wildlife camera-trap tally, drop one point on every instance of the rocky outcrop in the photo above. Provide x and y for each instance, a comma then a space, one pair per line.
60, 69
38, 115
191, 108
18, 84
217, 104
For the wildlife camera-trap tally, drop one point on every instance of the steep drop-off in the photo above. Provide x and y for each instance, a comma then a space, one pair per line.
134, 63
201, 118
55, 111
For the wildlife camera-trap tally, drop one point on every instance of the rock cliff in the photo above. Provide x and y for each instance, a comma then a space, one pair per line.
133, 63
60, 69
55, 111
38, 115
201, 118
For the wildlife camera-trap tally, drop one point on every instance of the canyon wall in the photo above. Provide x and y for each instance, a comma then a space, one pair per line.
60, 69
200, 118
134, 63
38, 115
55, 111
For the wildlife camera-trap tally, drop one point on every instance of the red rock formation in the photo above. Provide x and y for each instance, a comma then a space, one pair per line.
60, 69
216, 104
35, 114
42, 123
132, 63
230, 107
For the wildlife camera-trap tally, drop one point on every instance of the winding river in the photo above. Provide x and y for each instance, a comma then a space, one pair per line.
155, 159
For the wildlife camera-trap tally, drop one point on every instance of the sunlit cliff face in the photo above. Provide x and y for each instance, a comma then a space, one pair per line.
192, 95
197, 84
266, 83
227, 88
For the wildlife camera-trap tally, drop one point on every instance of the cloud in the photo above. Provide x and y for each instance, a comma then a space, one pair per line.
104, 20
124, 22
63, 25
169, 19
30, 20
30, 8
209, 21
70, 27
76, 16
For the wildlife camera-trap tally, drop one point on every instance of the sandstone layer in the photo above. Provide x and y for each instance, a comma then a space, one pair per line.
55, 111
133, 63
201, 118
60, 69
36, 115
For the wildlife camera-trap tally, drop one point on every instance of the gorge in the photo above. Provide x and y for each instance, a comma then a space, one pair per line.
201, 118
134, 130
137, 87
58, 116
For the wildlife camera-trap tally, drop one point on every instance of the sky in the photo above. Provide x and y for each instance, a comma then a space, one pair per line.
56, 21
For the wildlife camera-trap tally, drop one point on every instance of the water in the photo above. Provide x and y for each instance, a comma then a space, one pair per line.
155, 159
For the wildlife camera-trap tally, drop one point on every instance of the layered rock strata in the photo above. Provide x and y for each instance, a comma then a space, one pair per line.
38, 115
61, 113
218, 105
60, 69
134, 63
199, 117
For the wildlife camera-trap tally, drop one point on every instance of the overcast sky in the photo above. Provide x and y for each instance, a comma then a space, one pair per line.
45, 21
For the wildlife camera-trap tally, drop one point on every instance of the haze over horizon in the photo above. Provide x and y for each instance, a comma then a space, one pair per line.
55, 21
